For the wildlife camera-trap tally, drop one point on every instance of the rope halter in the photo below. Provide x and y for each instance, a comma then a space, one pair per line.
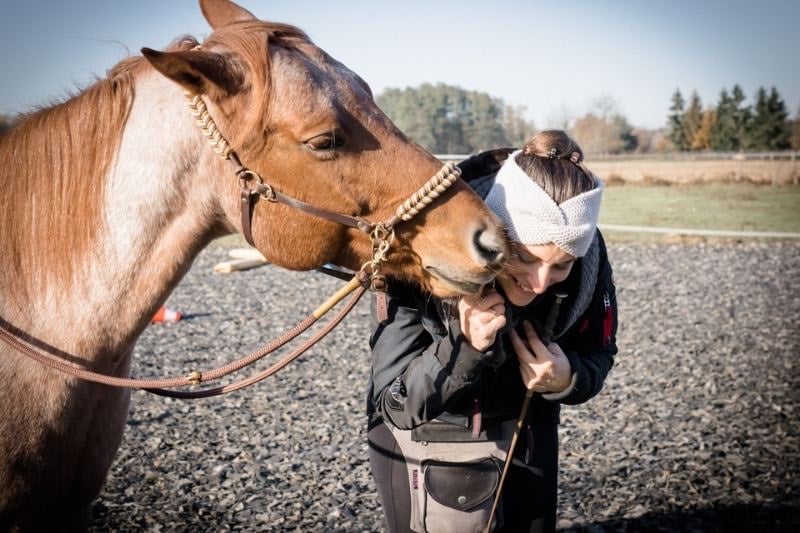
253, 187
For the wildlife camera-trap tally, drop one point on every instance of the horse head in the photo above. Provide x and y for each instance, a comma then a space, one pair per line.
310, 128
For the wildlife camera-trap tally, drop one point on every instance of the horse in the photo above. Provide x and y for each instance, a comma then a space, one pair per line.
107, 197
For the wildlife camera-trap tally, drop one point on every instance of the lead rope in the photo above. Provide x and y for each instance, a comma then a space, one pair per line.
195, 377
273, 369
548, 333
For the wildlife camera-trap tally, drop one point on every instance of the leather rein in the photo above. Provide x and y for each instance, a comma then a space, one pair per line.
253, 188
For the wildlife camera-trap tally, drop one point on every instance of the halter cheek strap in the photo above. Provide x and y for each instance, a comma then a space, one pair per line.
252, 186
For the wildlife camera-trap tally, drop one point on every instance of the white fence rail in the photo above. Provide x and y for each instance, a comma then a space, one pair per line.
787, 155
700, 232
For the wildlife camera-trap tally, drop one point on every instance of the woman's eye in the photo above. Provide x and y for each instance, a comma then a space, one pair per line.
527, 259
326, 142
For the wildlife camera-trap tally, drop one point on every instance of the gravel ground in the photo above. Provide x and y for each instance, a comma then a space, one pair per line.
697, 428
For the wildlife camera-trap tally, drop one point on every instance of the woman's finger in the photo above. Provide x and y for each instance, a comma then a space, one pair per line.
498, 309
489, 300
529, 377
497, 323
536, 344
523, 353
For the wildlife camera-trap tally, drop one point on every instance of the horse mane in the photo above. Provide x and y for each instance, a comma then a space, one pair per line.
55, 160
54, 164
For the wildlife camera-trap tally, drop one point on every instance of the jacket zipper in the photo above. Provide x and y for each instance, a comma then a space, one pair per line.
608, 320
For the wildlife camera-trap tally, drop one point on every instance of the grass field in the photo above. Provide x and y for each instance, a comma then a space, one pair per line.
734, 206
642, 171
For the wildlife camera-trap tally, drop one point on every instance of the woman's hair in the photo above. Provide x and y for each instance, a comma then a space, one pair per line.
555, 162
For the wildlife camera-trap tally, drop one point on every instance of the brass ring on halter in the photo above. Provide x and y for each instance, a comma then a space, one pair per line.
246, 177
194, 377
267, 192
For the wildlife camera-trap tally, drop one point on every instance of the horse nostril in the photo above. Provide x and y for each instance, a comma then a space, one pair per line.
489, 246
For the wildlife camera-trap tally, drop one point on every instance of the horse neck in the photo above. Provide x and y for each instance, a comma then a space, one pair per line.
158, 212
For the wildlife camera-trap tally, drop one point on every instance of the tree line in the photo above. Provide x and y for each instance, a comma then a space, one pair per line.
731, 124
448, 119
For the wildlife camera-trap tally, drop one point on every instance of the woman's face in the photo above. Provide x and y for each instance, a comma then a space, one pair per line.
532, 269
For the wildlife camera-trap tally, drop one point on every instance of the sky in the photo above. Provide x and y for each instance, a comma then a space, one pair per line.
555, 58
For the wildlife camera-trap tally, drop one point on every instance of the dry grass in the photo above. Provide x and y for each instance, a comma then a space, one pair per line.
655, 171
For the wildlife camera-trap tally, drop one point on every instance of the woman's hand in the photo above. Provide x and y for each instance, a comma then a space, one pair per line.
543, 368
481, 318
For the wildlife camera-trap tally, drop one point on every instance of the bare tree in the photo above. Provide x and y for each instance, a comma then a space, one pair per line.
517, 128
560, 118
604, 130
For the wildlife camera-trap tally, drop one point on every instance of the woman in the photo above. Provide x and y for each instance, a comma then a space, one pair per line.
449, 378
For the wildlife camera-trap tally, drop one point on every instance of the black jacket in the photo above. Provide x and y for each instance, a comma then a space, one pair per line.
423, 368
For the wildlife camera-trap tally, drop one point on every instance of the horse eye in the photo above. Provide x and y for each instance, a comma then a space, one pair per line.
326, 141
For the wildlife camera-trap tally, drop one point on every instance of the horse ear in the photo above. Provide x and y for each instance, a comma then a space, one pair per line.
221, 13
197, 71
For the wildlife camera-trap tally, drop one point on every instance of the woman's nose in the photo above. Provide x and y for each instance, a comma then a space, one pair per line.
539, 278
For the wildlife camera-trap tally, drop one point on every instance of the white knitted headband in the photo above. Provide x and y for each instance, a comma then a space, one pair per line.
533, 217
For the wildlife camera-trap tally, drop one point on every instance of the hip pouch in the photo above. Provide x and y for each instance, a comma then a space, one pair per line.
452, 484
459, 496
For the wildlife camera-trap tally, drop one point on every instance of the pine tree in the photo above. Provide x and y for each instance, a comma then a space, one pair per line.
796, 131
675, 122
723, 133
759, 130
742, 117
691, 119
770, 127
780, 135
486, 127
